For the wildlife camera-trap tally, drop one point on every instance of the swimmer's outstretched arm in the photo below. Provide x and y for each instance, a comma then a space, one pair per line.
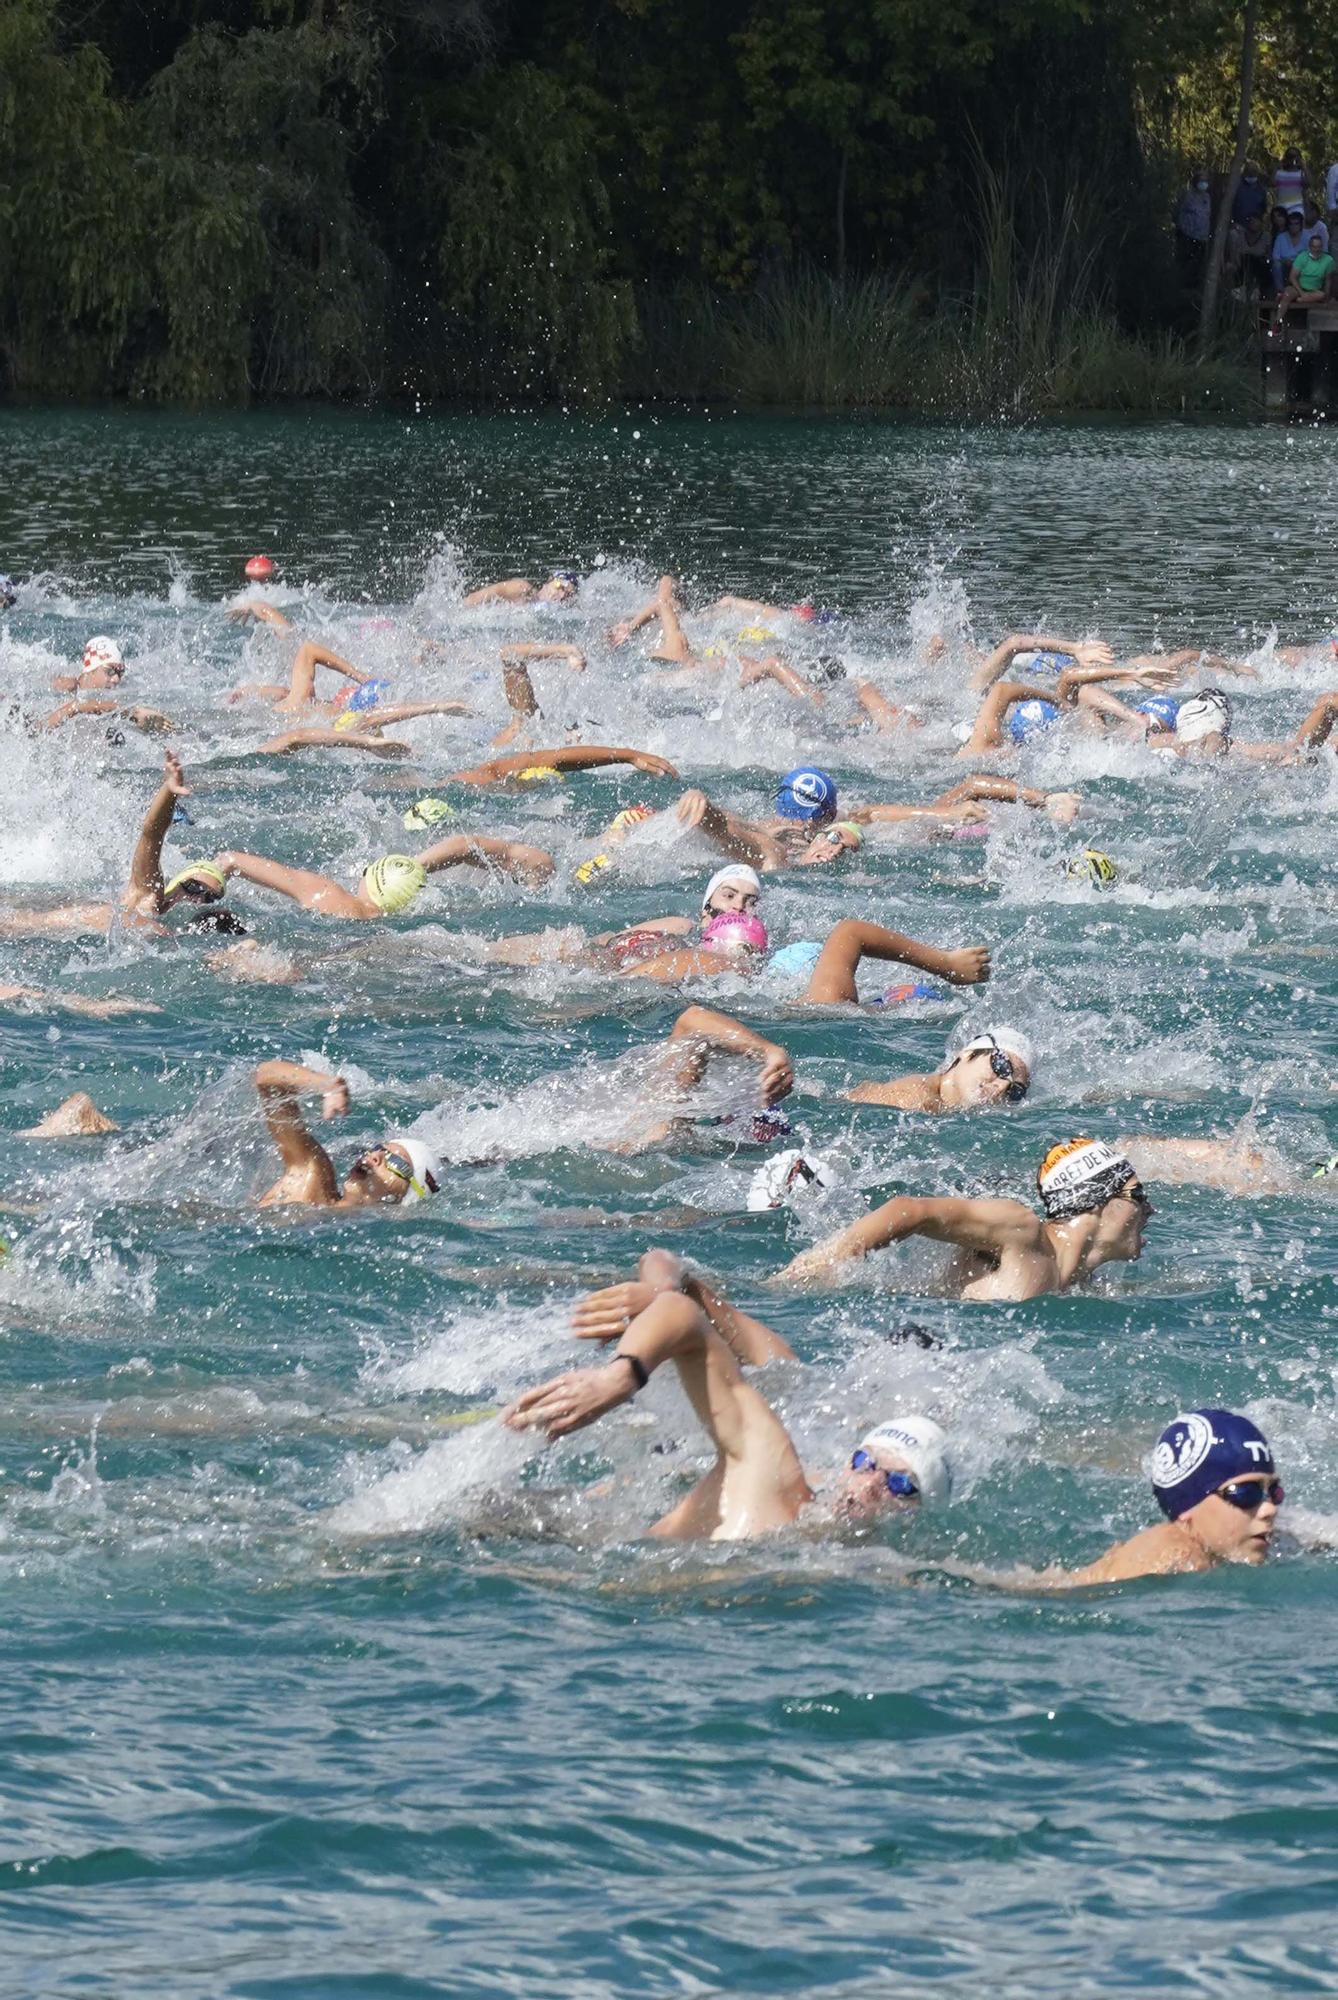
699, 1031
310, 655
1158, 675
987, 1226
619, 634
305, 886
988, 733
569, 757
279, 1085
738, 838
1230, 1164
406, 711
510, 590
983, 785
264, 614
773, 668
852, 940
883, 714
670, 1327
1090, 652
146, 865
519, 688
1318, 726
513, 857
329, 739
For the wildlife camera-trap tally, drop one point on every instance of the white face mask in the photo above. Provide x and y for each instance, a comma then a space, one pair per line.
1201, 186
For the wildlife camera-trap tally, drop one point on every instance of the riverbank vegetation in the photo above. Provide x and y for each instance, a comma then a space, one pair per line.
844, 203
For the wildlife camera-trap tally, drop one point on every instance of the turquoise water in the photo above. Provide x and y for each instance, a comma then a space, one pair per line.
313, 1689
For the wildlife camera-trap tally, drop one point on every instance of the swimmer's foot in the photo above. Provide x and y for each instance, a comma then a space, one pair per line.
77, 1118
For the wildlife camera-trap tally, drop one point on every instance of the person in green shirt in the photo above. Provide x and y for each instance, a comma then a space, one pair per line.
1311, 277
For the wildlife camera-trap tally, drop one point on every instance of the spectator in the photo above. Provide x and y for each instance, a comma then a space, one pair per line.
1289, 182
1315, 221
1331, 193
1311, 279
1193, 225
1251, 199
1247, 259
1285, 248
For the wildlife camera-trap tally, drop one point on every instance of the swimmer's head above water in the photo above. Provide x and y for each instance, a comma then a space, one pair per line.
1203, 723
561, 587
901, 1463
1084, 1177
806, 794
735, 887
735, 933
994, 1067
1213, 1473
401, 1170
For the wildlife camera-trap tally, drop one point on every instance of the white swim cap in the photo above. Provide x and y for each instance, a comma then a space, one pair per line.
1011, 1040
427, 1168
779, 1180
102, 652
922, 1446
1206, 714
733, 871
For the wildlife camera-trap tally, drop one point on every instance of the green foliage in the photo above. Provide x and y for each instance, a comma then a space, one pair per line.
845, 202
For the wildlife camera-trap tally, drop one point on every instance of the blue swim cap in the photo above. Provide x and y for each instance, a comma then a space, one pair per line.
8, 594
806, 794
1032, 662
1201, 1451
1164, 707
367, 695
1031, 718
798, 959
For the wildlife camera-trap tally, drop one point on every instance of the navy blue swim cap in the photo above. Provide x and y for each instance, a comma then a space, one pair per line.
1031, 718
1200, 1451
1164, 707
806, 794
8, 594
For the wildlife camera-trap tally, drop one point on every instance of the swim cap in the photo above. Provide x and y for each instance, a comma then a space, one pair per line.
629, 816
1096, 866
922, 1446
8, 595
424, 813
806, 794
1079, 1176
393, 882
588, 870
733, 871
850, 830
734, 930
1033, 662
260, 569
755, 632
571, 576
798, 959
533, 774
1011, 1040
366, 695
1206, 714
892, 996
427, 1168
214, 880
102, 652
351, 723
1031, 718
824, 669
1325, 1168
1200, 1451
1164, 708
790, 1173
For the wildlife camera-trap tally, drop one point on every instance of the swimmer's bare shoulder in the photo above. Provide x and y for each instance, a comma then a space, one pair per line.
1161, 1550
899, 1093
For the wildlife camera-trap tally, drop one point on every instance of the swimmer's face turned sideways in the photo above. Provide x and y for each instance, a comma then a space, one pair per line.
382, 1173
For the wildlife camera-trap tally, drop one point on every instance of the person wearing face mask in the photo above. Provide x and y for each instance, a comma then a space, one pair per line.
1193, 225
1250, 201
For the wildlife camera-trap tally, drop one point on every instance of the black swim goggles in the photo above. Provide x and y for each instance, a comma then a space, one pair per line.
899, 1484
1002, 1065
1249, 1495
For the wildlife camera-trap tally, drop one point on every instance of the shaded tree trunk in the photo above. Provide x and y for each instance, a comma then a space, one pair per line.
1212, 276
841, 212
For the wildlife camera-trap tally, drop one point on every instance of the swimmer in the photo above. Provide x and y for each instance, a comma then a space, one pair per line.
1215, 1481
697, 1035
967, 802
1015, 712
519, 688
851, 941
733, 890
805, 831
1023, 653
530, 766
9, 596
757, 1483
103, 667
561, 588
300, 692
994, 1067
148, 720
1203, 731
146, 897
821, 680
1095, 1212
389, 885
74, 1003
401, 1170
359, 728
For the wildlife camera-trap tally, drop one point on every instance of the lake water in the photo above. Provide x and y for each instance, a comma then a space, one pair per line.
315, 1686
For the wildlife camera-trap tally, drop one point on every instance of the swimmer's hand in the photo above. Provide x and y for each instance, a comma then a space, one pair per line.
968, 967
776, 1077
334, 1102
1062, 806
657, 767
569, 1402
1093, 653
173, 776
1157, 676
607, 1314
692, 808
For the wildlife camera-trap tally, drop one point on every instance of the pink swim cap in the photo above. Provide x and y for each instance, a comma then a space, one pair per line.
734, 930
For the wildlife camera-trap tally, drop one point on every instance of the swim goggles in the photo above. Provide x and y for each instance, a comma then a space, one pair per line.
1249, 1495
1002, 1065
1135, 1191
404, 1172
899, 1484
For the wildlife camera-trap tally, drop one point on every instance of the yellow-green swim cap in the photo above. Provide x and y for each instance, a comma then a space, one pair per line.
588, 870
424, 813
1096, 866
534, 772
393, 882
200, 871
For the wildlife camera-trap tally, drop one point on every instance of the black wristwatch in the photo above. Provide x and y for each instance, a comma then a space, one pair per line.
638, 1368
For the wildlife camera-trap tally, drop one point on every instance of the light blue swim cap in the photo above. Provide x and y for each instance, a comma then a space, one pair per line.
1031, 718
807, 794
367, 695
1164, 707
797, 960
1033, 662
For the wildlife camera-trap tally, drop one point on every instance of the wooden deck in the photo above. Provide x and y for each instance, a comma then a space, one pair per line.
1300, 362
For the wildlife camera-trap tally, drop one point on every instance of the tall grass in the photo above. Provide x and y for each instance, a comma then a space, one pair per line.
1031, 334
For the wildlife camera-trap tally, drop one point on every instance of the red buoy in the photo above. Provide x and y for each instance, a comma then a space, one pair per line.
260, 569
